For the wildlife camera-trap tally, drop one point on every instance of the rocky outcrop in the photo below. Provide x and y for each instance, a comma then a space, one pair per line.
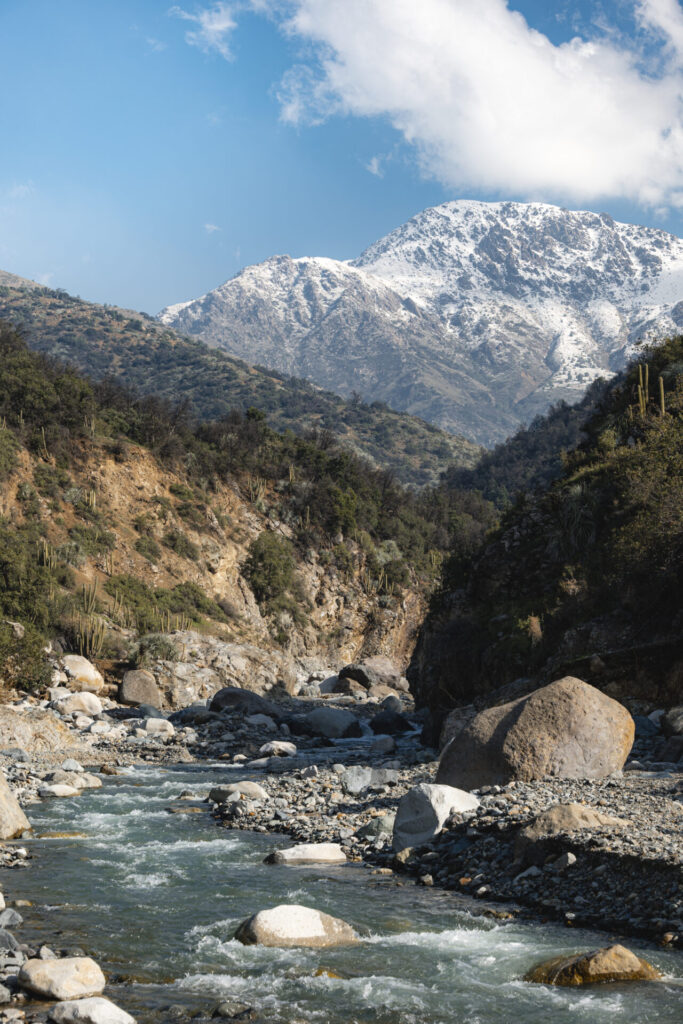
567, 729
612, 964
292, 925
423, 811
37, 732
71, 977
13, 821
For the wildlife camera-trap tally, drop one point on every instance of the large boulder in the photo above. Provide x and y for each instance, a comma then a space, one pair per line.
95, 1010
672, 722
373, 671
247, 788
567, 730
139, 687
82, 703
13, 821
72, 977
82, 673
308, 853
333, 723
389, 723
37, 732
611, 964
560, 819
232, 698
423, 810
292, 925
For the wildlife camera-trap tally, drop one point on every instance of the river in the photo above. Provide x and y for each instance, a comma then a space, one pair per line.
155, 899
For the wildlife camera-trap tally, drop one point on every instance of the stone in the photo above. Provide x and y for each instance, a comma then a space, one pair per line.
611, 964
71, 765
58, 789
95, 1010
567, 730
231, 1009
13, 821
278, 748
383, 745
232, 698
423, 811
36, 731
82, 673
72, 977
357, 779
389, 723
159, 727
138, 686
293, 925
10, 918
261, 722
251, 790
383, 825
7, 940
85, 703
560, 819
333, 723
672, 722
372, 671
350, 687
308, 853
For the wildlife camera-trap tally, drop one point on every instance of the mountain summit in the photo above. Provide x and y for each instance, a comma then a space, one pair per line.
475, 316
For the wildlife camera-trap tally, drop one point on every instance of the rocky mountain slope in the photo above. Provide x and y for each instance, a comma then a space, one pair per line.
103, 341
475, 316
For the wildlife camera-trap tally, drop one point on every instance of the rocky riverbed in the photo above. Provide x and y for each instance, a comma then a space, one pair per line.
333, 767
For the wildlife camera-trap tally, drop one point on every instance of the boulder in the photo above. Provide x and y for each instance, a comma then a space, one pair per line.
422, 812
73, 977
357, 779
389, 723
382, 825
308, 853
277, 748
560, 819
84, 703
350, 687
372, 671
13, 821
58, 789
672, 722
292, 925
139, 687
333, 723
82, 674
38, 732
95, 1010
232, 698
567, 730
611, 964
251, 790
159, 727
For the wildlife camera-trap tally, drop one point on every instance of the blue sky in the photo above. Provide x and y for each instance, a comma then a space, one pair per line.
150, 150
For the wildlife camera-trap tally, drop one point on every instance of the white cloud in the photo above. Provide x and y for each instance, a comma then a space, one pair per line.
156, 45
374, 166
210, 228
20, 191
214, 27
491, 104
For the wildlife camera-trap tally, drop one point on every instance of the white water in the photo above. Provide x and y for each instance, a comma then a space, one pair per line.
156, 898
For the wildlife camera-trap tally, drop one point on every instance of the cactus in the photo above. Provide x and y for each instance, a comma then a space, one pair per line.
662, 401
46, 554
257, 488
91, 500
91, 636
89, 598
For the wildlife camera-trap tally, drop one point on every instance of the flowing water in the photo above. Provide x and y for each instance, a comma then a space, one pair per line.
156, 898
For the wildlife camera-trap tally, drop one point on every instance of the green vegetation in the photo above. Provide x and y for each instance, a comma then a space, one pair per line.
105, 342
150, 610
148, 548
22, 662
593, 562
270, 567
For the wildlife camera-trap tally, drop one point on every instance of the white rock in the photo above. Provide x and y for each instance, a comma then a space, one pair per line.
79, 703
95, 1010
100, 728
57, 692
90, 781
72, 977
308, 853
423, 810
58, 789
159, 727
83, 672
251, 790
71, 765
13, 821
292, 925
278, 748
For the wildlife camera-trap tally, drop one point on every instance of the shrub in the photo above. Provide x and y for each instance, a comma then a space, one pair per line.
92, 540
182, 545
8, 454
148, 548
269, 568
155, 647
23, 663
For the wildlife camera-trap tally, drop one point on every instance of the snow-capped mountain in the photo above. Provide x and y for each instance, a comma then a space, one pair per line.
473, 315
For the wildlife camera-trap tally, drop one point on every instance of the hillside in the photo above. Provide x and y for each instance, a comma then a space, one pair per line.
475, 316
121, 517
103, 340
583, 576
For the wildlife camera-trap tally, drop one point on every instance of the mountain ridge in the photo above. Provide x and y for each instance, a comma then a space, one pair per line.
475, 316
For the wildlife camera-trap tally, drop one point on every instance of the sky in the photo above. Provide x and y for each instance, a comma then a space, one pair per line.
150, 149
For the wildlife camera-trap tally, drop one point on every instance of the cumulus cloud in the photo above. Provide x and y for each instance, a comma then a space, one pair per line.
491, 104
210, 228
374, 166
214, 26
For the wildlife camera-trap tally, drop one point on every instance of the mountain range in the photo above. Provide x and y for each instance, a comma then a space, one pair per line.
474, 316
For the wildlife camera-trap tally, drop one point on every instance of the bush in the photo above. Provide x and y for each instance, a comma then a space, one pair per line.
182, 545
155, 647
269, 568
93, 540
8, 454
23, 664
148, 548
